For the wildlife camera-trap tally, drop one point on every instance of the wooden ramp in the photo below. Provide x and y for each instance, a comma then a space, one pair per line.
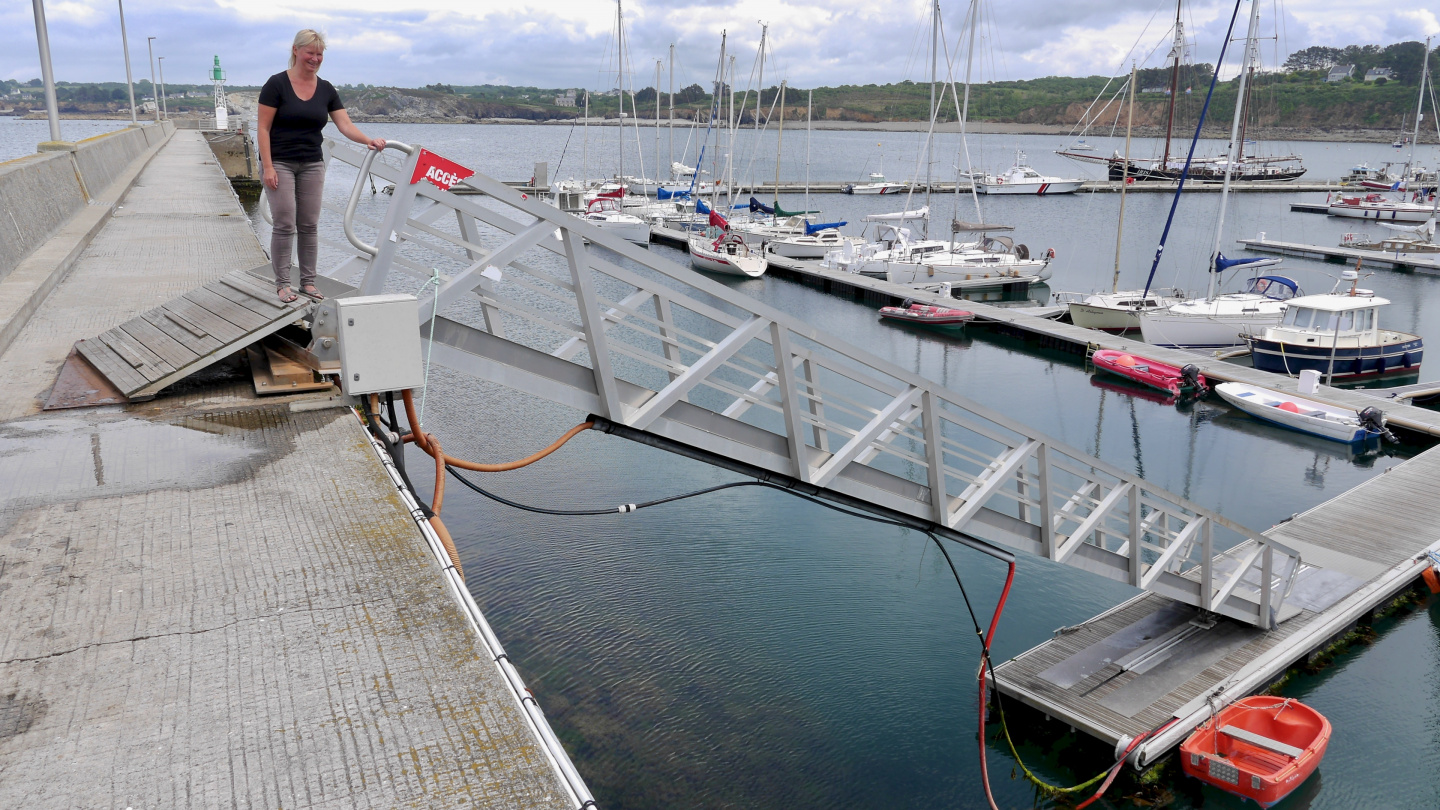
165, 345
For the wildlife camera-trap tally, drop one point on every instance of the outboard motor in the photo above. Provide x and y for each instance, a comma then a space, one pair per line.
1190, 377
1373, 420
907, 303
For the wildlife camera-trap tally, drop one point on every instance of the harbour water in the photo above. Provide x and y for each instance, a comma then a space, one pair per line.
747, 649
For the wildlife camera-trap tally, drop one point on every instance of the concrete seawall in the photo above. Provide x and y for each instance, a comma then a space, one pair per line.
40, 193
53, 204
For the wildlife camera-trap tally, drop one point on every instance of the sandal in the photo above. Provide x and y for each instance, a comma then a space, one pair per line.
313, 292
285, 294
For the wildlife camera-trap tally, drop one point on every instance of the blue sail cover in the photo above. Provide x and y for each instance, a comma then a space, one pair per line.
756, 205
811, 230
701, 207
1222, 264
662, 194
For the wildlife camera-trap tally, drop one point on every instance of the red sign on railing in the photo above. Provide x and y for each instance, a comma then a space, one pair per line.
442, 172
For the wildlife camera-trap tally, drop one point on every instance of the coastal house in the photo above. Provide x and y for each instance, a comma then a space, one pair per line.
567, 100
1379, 73
1339, 73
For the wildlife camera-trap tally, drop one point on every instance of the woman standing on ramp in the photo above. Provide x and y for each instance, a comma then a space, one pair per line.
295, 105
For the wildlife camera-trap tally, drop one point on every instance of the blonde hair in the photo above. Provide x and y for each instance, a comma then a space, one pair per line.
305, 38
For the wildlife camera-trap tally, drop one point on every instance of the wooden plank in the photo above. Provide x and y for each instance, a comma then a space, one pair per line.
110, 364
270, 301
182, 322
199, 345
222, 307
167, 348
1262, 742
214, 326
153, 366
244, 301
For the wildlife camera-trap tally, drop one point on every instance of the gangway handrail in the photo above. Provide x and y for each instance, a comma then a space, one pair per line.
726, 374
365, 164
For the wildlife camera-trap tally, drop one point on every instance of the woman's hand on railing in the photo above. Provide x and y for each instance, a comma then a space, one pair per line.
377, 144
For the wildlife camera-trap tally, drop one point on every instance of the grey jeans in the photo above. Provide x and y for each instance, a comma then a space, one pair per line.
295, 207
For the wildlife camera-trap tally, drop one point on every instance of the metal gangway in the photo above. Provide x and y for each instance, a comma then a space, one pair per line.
526, 296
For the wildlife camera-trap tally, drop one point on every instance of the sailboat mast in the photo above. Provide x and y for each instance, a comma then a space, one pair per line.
779, 142
759, 96
620, 81
1252, 60
1419, 110
1124, 181
585, 146
672, 112
810, 114
930, 142
965, 110
1177, 52
1230, 152
658, 64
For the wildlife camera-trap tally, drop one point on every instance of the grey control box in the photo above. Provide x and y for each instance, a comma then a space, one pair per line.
379, 339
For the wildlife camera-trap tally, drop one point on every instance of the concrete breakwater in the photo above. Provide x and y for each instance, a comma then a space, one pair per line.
70, 190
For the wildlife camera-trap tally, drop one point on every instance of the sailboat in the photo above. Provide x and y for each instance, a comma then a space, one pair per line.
1237, 166
1217, 321
1118, 310
897, 256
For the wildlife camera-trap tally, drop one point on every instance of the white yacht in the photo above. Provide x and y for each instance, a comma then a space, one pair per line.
876, 184
899, 258
1221, 321
818, 240
605, 213
1021, 179
1117, 311
720, 251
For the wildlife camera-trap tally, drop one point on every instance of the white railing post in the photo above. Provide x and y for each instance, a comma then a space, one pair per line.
593, 323
789, 402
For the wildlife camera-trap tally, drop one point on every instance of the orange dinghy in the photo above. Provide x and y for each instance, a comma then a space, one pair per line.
1259, 747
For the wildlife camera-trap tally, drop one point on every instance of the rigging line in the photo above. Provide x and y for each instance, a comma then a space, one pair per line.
1109, 81
1185, 172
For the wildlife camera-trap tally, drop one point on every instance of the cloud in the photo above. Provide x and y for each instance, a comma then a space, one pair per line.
569, 43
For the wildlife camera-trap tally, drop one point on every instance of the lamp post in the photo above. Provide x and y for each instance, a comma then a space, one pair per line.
164, 111
129, 81
43, 37
150, 43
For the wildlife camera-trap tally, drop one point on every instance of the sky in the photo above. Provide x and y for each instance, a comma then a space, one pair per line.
570, 43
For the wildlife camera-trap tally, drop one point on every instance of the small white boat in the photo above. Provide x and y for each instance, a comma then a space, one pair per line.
811, 245
1021, 179
718, 251
1378, 207
1117, 311
877, 185
1305, 415
605, 213
1219, 322
1081, 146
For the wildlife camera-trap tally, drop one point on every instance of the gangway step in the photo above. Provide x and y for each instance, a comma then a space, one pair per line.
169, 343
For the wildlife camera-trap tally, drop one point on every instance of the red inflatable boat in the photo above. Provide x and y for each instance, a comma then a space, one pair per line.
929, 315
1260, 747
1153, 373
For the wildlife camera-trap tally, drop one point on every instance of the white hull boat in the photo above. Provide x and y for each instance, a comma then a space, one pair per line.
606, 215
1305, 415
725, 253
877, 185
1114, 312
1022, 179
1373, 206
813, 246
1220, 322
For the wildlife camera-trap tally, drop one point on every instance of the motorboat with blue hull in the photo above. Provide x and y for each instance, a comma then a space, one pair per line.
1337, 335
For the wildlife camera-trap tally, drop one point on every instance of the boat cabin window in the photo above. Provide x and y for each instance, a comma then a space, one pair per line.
1273, 287
1298, 317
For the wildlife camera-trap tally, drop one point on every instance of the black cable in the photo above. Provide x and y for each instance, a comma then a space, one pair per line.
396, 450
631, 507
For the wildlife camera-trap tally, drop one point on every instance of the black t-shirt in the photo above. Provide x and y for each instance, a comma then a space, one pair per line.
295, 135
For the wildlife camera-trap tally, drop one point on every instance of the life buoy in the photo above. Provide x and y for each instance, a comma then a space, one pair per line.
1050, 254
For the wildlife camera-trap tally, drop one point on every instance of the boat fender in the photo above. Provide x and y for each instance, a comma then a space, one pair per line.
1122, 746
1432, 579
1373, 420
1050, 253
